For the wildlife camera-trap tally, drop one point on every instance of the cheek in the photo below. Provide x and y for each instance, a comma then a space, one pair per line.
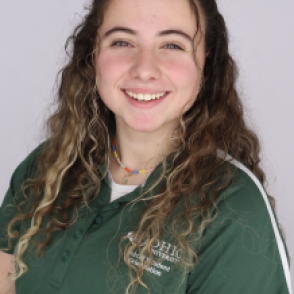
183, 73
110, 68
186, 79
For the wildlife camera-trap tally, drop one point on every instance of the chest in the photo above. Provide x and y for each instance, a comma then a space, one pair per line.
88, 257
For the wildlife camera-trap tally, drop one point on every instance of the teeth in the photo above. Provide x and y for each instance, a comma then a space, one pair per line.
145, 97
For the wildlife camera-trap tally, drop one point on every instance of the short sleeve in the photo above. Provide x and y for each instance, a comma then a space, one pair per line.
241, 251
14, 196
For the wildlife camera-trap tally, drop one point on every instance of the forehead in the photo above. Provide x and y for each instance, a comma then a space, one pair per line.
149, 15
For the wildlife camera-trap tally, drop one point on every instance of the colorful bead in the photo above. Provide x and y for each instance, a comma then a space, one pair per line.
142, 171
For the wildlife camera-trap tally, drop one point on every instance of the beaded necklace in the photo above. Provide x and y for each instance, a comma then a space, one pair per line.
130, 172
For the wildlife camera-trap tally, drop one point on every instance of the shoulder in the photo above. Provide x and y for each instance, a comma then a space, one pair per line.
244, 194
245, 199
14, 195
27, 167
242, 250
246, 202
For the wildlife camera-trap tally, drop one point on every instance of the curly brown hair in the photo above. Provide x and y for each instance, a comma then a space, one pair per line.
79, 142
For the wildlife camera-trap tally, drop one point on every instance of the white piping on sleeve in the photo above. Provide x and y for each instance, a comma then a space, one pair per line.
280, 244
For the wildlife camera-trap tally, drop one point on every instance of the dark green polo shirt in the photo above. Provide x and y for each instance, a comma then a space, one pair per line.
242, 251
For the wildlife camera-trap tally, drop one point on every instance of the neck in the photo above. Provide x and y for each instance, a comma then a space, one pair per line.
143, 150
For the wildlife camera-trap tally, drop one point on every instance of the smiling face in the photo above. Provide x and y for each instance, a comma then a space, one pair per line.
146, 47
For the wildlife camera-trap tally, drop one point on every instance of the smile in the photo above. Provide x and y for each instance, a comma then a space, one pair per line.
145, 97
146, 100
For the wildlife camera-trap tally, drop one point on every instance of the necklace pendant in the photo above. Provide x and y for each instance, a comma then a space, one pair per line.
125, 180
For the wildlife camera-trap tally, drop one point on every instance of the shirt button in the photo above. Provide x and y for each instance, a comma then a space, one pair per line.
115, 205
78, 234
65, 255
98, 220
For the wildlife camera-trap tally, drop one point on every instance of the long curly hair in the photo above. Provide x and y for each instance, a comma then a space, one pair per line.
79, 142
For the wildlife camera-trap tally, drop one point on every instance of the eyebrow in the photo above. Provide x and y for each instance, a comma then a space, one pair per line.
161, 33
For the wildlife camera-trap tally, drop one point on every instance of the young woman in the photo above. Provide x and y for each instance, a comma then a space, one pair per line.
150, 181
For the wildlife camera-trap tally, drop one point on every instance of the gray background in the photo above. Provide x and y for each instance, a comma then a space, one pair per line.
32, 36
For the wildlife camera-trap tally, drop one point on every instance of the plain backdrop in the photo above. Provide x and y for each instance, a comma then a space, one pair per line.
33, 34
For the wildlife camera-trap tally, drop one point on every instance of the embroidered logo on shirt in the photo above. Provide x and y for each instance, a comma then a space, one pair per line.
161, 249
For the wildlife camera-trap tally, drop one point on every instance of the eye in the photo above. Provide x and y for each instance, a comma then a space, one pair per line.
120, 44
173, 46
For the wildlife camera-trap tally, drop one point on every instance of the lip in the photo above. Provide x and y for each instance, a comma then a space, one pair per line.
143, 91
149, 104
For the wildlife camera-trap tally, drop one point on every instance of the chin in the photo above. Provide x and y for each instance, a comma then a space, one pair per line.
144, 127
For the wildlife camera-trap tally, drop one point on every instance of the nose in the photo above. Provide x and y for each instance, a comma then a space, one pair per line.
145, 66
